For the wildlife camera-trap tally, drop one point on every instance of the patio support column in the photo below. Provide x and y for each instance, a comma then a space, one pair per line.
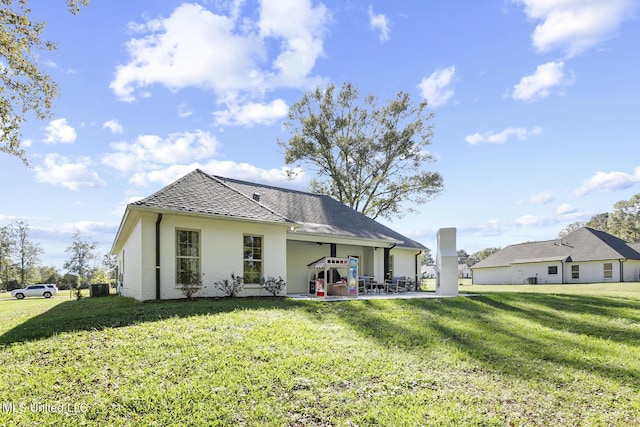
386, 264
447, 263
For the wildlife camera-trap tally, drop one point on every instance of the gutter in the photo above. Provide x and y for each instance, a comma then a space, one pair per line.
416, 270
158, 255
386, 261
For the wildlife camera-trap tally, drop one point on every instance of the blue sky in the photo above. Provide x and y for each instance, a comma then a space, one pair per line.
535, 101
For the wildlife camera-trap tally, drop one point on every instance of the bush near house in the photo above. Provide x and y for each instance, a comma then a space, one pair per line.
501, 358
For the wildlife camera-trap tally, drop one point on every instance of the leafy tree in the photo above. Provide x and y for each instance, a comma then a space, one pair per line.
49, 274
82, 254
6, 253
368, 157
97, 275
27, 252
478, 256
110, 264
427, 258
624, 220
24, 88
463, 256
599, 222
570, 229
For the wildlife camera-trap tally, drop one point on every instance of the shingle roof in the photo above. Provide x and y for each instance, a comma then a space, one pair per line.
584, 244
202, 193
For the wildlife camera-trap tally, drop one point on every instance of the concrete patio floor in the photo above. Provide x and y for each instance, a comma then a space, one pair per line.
374, 296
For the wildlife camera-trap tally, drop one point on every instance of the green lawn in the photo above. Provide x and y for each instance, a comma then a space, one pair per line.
501, 358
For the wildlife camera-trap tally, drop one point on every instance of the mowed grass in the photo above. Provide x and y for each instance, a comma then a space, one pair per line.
501, 358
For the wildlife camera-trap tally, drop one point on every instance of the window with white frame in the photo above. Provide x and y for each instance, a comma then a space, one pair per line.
575, 271
252, 258
187, 256
608, 270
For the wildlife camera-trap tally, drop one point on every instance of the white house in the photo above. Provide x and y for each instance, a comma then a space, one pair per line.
216, 226
584, 256
429, 271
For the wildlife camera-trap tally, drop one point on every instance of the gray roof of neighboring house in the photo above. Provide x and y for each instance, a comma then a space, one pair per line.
584, 244
199, 192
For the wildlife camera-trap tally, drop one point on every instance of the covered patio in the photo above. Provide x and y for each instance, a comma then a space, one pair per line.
374, 296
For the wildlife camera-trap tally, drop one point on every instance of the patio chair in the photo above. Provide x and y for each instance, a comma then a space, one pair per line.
364, 284
397, 284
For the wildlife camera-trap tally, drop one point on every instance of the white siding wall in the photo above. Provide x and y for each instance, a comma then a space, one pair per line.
367, 262
522, 272
404, 262
130, 265
299, 254
492, 276
631, 270
148, 256
221, 252
592, 272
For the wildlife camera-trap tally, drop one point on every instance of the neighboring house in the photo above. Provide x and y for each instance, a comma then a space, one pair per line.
429, 271
215, 226
584, 256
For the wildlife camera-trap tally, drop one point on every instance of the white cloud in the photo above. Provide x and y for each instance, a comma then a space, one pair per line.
229, 169
379, 22
575, 25
536, 220
436, 88
300, 27
540, 84
565, 209
541, 198
152, 151
184, 111
113, 125
87, 228
503, 136
252, 113
491, 227
195, 47
59, 131
609, 181
59, 170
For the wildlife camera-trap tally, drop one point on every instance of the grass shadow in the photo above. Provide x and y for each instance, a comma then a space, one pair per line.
513, 334
114, 312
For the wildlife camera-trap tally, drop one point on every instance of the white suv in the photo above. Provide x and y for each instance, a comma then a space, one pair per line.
46, 290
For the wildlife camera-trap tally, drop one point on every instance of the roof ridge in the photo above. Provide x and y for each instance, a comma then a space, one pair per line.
166, 187
220, 180
271, 187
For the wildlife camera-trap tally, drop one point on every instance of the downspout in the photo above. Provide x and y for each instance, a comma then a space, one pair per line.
562, 272
622, 269
158, 255
386, 261
417, 271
